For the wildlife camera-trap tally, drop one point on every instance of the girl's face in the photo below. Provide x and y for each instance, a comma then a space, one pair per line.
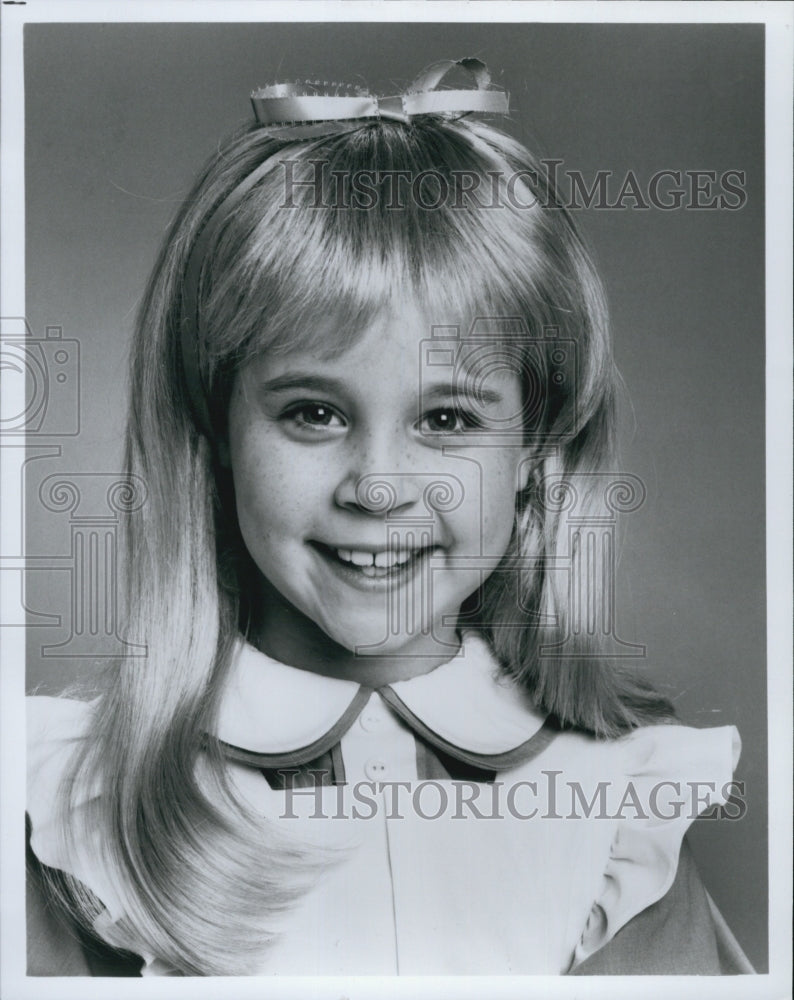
375, 491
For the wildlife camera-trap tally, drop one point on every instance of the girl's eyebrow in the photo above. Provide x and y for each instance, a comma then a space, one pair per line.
302, 380
445, 390
324, 383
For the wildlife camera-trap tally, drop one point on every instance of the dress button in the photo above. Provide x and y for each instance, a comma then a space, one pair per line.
376, 769
370, 720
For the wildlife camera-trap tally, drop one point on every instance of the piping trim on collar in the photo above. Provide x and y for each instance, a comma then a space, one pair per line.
274, 715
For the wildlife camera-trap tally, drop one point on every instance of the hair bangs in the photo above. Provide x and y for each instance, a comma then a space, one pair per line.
338, 231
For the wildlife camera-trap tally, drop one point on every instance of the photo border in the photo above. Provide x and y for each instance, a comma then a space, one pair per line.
778, 18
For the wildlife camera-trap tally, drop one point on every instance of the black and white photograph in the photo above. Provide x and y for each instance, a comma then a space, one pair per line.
396, 527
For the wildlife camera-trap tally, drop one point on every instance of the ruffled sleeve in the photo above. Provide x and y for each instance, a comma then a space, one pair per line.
55, 726
672, 775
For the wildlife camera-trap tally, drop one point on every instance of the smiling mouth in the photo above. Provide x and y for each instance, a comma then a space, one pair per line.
378, 565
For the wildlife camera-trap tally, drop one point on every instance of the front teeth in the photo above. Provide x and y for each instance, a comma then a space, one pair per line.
357, 558
391, 558
372, 560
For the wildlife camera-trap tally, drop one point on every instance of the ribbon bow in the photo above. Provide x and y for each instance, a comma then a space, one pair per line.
287, 112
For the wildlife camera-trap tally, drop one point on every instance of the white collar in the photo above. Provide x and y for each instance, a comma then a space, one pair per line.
271, 708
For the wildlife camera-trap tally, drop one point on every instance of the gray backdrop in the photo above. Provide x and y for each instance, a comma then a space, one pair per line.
119, 117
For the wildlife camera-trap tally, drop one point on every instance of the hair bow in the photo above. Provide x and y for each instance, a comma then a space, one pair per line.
288, 112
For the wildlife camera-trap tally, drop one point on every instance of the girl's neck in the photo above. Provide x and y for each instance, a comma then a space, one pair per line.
288, 636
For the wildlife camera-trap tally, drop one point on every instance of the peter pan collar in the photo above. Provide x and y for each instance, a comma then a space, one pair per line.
275, 715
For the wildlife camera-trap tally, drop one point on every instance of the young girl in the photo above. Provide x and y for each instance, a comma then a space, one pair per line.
380, 726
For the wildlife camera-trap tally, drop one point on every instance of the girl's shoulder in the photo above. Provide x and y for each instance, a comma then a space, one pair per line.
54, 726
56, 718
675, 752
636, 796
644, 756
54, 722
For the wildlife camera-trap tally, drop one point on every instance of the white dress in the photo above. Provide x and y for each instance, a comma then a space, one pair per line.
527, 872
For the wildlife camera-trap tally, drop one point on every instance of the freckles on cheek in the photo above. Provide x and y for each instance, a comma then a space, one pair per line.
272, 493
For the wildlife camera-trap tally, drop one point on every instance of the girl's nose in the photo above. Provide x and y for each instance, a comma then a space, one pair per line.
384, 475
378, 493
381, 477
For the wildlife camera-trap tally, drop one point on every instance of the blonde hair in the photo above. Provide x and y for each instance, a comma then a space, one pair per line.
203, 883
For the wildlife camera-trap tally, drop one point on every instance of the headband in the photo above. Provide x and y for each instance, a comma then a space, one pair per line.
286, 111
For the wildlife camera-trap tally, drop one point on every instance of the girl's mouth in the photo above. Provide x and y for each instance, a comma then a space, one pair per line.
386, 564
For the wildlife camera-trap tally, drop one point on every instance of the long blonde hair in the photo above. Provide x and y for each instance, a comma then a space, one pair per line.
203, 880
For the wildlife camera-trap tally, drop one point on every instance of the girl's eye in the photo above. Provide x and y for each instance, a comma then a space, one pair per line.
449, 421
313, 417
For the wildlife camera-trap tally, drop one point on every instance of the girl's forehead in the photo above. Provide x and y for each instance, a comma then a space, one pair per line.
405, 324
404, 342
